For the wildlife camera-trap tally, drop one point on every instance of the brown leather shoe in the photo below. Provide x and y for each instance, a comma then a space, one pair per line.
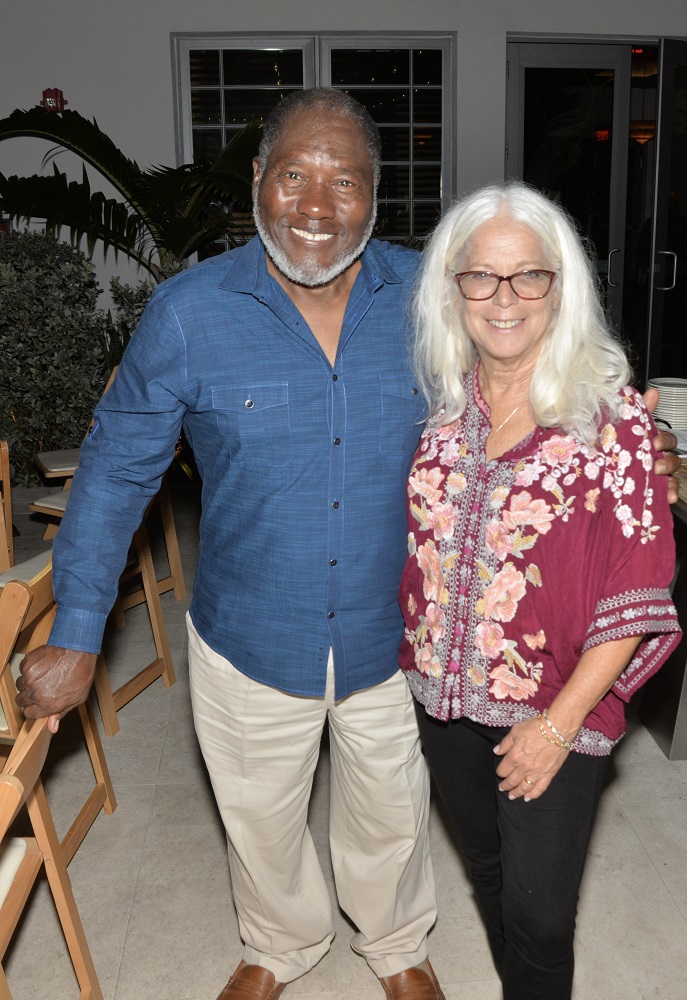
252, 982
418, 983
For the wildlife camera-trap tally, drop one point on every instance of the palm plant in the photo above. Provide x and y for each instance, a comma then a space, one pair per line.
167, 213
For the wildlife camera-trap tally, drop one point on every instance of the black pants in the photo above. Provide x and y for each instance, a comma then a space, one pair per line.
526, 858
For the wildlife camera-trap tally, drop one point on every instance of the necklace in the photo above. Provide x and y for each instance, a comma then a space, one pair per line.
504, 422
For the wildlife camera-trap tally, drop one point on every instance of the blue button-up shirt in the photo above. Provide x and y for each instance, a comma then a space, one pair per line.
302, 535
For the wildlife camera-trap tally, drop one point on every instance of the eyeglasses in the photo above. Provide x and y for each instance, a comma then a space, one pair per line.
485, 284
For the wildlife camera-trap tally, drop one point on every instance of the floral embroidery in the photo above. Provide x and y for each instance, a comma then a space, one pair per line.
509, 685
475, 642
502, 595
537, 641
590, 500
429, 561
490, 639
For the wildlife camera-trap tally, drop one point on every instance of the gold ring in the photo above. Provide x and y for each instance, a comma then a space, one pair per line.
528, 782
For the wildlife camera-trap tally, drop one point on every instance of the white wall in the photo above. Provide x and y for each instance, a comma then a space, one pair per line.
113, 62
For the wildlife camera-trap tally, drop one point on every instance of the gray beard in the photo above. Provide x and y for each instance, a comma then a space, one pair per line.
310, 275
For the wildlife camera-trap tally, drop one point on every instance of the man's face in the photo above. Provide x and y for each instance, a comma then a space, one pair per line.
314, 203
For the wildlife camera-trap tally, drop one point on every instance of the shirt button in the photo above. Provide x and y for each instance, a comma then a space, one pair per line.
332, 562
337, 440
415, 390
249, 404
335, 378
330, 614
335, 505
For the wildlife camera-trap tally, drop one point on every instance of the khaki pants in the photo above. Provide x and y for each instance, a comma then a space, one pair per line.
261, 748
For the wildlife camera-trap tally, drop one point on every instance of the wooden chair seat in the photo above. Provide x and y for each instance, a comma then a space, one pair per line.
61, 464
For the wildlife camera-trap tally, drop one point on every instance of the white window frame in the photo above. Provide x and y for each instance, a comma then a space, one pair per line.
317, 72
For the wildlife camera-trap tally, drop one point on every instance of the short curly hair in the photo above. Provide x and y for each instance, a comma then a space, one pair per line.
330, 102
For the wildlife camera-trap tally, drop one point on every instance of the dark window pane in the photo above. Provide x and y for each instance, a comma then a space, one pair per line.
427, 181
207, 143
426, 105
425, 217
242, 106
393, 221
395, 182
384, 105
206, 107
395, 143
568, 119
427, 66
255, 67
427, 143
204, 66
377, 66
241, 227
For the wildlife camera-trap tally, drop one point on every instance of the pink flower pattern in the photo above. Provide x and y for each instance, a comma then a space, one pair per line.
573, 477
503, 593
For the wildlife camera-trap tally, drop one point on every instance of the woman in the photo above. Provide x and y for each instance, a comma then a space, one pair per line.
540, 552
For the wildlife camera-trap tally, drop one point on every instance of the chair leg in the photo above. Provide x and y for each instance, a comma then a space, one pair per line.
102, 796
96, 753
61, 888
110, 701
103, 692
171, 541
51, 529
157, 620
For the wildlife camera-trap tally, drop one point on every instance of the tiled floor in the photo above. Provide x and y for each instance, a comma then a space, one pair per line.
152, 882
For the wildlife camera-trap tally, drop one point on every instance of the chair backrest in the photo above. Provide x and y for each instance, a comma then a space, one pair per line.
6, 539
22, 770
20, 784
33, 601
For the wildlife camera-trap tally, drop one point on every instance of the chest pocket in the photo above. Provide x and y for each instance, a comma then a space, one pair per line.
403, 409
255, 418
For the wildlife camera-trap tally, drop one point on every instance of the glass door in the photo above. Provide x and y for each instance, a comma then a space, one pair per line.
567, 134
667, 280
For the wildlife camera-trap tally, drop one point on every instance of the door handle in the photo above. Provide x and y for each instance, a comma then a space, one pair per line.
669, 288
612, 284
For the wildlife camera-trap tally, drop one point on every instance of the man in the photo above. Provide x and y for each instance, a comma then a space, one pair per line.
287, 363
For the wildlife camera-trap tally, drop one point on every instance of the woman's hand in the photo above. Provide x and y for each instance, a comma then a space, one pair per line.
529, 762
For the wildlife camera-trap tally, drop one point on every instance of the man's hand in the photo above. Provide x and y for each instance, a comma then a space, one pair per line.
669, 463
53, 681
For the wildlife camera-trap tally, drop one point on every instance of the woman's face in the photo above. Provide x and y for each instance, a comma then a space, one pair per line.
506, 330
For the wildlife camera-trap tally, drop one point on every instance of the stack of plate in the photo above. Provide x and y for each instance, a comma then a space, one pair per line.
672, 406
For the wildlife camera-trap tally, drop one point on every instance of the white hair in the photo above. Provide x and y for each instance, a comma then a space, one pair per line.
581, 365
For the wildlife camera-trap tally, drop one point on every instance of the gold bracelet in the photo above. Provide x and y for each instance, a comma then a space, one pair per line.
561, 746
559, 736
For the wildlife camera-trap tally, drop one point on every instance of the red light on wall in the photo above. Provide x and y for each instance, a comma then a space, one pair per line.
602, 134
53, 100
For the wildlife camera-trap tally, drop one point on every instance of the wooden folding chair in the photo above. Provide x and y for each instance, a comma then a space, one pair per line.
36, 575
21, 858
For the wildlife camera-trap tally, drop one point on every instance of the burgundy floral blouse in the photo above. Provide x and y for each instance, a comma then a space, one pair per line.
518, 565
